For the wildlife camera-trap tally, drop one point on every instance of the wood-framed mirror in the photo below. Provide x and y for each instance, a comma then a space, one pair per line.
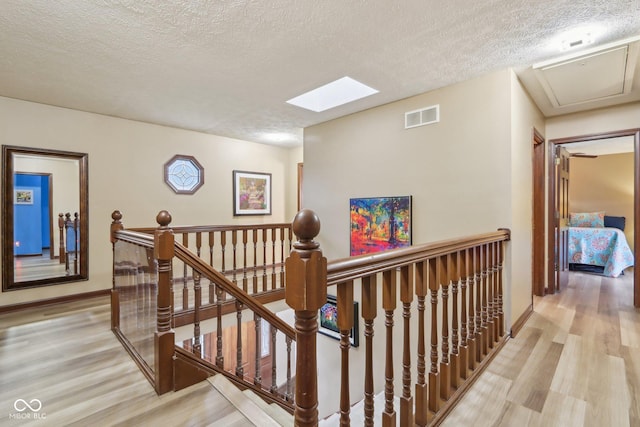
45, 225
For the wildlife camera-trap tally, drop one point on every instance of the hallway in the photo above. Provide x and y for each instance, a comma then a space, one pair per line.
575, 363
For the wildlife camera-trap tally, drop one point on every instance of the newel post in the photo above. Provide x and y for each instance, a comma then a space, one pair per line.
116, 225
305, 293
164, 337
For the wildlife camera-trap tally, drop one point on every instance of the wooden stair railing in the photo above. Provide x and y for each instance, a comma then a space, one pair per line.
250, 256
458, 281
143, 266
69, 244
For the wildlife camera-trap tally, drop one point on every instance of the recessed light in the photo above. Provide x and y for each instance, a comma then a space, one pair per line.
334, 94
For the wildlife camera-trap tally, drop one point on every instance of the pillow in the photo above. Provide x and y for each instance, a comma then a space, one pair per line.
614, 221
589, 220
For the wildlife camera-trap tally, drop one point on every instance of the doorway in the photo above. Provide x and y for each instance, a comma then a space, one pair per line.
553, 249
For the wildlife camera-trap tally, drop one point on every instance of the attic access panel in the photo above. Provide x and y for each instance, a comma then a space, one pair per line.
587, 78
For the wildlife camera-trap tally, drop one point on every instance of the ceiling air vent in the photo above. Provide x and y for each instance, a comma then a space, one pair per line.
421, 117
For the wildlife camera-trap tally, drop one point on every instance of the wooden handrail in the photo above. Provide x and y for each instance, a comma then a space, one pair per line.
345, 269
206, 228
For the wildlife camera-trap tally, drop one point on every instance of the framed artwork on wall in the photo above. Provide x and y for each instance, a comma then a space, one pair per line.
22, 197
251, 193
329, 321
379, 224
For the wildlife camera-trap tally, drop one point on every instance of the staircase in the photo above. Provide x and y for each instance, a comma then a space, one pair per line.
254, 409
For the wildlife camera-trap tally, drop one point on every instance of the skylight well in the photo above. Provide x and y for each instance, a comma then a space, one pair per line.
331, 95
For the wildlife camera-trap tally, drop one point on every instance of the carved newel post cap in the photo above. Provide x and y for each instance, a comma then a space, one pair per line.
306, 224
163, 218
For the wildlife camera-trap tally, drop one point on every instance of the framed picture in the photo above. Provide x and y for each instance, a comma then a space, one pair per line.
329, 321
379, 224
251, 193
23, 197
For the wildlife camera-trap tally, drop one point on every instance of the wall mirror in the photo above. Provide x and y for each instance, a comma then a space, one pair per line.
44, 217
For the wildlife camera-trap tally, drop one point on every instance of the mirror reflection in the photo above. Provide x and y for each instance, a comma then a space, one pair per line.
44, 238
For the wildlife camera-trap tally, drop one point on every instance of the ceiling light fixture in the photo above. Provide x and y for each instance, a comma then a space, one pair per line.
331, 95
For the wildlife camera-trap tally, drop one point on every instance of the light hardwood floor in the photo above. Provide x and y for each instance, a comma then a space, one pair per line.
575, 363
66, 357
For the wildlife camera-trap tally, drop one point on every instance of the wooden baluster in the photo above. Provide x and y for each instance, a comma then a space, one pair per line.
76, 223
496, 296
219, 356
234, 245
212, 286
344, 300
185, 275
164, 338
406, 297
485, 300
369, 313
434, 375
305, 293
500, 289
273, 258
257, 377
244, 260
454, 274
61, 244
274, 361
464, 332
116, 225
491, 306
67, 223
264, 260
223, 249
254, 235
198, 243
388, 305
478, 312
288, 396
472, 257
445, 367
239, 368
197, 346
421, 407
281, 279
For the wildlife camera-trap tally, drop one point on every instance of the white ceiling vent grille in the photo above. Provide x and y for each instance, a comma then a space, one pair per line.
421, 117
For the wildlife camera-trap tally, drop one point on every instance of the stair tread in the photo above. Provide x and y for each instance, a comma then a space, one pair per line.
273, 409
252, 411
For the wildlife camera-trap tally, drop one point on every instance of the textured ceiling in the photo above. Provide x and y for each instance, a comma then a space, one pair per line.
227, 67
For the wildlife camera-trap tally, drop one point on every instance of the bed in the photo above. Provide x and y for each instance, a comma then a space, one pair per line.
593, 247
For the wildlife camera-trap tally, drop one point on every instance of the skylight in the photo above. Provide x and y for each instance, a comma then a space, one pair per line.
334, 94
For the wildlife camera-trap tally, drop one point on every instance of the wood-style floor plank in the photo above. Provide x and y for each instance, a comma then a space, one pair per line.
66, 357
575, 363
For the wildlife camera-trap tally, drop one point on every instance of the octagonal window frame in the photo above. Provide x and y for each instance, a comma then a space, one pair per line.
172, 181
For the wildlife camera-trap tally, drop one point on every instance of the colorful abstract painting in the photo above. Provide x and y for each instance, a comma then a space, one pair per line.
379, 224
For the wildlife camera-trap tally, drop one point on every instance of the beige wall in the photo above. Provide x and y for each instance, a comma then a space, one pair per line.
126, 161
470, 173
457, 171
524, 116
604, 184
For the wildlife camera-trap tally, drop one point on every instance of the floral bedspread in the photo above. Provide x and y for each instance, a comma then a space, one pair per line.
606, 247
